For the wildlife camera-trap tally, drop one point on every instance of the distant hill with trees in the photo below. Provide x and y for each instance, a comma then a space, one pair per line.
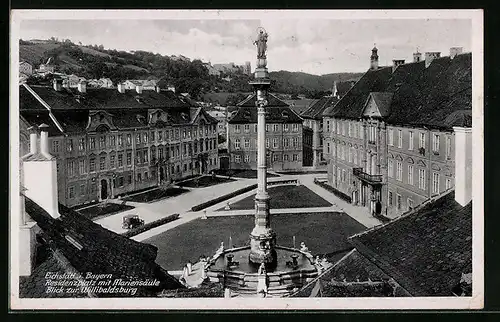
94, 61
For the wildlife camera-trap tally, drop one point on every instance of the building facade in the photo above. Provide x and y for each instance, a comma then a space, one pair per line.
113, 142
283, 136
390, 140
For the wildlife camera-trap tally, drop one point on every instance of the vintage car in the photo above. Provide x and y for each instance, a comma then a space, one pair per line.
132, 221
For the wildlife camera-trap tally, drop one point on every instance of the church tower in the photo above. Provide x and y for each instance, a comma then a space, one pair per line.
374, 58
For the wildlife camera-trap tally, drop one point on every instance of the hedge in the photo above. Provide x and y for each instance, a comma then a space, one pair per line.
150, 225
336, 192
223, 198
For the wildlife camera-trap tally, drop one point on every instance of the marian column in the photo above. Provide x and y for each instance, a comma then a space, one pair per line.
262, 237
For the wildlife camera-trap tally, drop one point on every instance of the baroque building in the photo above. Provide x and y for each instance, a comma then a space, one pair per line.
111, 142
283, 136
390, 141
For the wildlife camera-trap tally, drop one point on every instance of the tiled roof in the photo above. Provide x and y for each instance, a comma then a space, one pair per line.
37, 117
89, 247
421, 96
426, 251
383, 101
277, 111
315, 111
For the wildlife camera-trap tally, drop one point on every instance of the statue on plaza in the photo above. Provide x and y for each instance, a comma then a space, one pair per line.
262, 281
261, 43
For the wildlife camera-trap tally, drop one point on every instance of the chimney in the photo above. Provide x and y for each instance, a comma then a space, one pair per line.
455, 51
121, 88
430, 56
463, 165
374, 58
65, 83
396, 63
158, 89
27, 235
57, 83
417, 57
33, 140
335, 93
40, 176
138, 89
82, 86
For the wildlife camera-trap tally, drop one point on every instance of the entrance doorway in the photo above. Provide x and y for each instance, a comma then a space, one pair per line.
162, 174
104, 189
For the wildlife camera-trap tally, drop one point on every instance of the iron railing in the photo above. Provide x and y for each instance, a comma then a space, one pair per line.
371, 178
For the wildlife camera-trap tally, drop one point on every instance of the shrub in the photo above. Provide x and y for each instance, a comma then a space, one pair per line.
336, 192
150, 225
223, 198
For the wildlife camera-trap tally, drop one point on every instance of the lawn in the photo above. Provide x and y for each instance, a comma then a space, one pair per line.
245, 174
205, 181
156, 194
103, 209
288, 196
322, 232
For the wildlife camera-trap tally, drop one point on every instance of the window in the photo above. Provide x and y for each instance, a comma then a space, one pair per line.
410, 140
295, 142
390, 198
295, 127
184, 134
399, 202
247, 143
102, 163
138, 138
139, 177
120, 140
236, 128
286, 157
81, 166
338, 127
81, 144
361, 132
448, 147
390, 168
129, 139
355, 157
129, 179
112, 140
236, 144
400, 139
267, 143
350, 154
160, 135
333, 126
448, 183
102, 142
247, 158
82, 190
421, 179
275, 127
286, 143
246, 127
373, 133
421, 142
343, 175
275, 157
71, 168
69, 145
92, 165
138, 157
177, 135
327, 126
410, 174
237, 158
145, 137
254, 127
120, 160
71, 192
112, 161
343, 129
342, 152
55, 146
185, 167
275, 143
328, 148
295, 157
435, 143
285, 127
152, 136
349, 129
129, 158
409, 203
435, 182
399, 171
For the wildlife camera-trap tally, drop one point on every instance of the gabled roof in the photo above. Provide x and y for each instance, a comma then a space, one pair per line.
382, 102
89, 247
315, 111
427, 250
421, 96
277, 111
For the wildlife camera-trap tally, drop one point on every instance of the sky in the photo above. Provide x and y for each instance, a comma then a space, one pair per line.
315, 46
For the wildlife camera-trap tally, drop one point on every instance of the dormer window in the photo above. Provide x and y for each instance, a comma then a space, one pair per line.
284, 114
139, 99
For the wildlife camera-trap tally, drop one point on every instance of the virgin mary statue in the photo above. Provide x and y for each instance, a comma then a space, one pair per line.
261, 45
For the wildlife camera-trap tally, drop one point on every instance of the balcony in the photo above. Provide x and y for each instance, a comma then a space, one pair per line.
369, 178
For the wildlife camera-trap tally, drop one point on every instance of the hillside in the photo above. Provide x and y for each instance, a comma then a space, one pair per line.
94, 61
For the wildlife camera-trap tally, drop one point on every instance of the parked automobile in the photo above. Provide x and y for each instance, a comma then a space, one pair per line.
132, 221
